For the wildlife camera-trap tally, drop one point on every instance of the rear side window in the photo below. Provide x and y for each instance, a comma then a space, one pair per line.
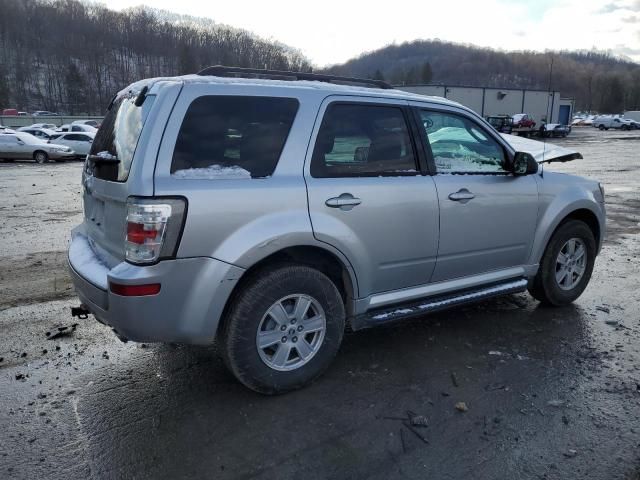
232, 137
363, 140
117, 138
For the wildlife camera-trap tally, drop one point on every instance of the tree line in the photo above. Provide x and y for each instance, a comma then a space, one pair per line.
598, 81
71, 57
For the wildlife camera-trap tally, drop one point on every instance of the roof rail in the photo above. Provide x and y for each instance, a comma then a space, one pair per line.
239, 72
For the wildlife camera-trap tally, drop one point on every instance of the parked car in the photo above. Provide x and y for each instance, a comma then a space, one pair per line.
23, 114
634, 124
44, 113
605, 123
502, 123
79, 142
22, 145
9, 112
523, 120
554, 130
42, 133
48, 126
4, 129
267, 215
91, 123
67, 127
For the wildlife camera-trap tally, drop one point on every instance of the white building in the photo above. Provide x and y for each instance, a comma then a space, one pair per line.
541, 104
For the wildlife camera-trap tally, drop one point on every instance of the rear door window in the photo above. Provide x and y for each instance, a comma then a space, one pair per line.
232, 137
363, 140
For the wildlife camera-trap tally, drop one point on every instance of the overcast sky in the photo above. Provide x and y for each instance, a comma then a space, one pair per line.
332, 31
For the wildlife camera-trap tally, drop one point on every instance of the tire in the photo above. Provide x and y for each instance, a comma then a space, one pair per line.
41, 157
546, 286
262, 369
601, 127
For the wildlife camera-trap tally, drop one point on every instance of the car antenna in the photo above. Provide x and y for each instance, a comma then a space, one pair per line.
544, 128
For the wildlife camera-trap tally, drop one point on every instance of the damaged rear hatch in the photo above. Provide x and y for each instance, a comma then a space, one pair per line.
120, 164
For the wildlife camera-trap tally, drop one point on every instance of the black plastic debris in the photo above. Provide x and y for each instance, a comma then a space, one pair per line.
61, 331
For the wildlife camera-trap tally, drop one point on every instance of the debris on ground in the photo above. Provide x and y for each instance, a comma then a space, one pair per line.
556, 403
497, 353
570, 453
603, 309
419, 420
462, 407
20, 376
61, 331
454, 379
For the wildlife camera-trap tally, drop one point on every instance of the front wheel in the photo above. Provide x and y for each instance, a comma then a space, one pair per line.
41, 157
601, 127
566, 266
283, 329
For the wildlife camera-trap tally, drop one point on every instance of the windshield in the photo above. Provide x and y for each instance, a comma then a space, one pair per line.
118, 136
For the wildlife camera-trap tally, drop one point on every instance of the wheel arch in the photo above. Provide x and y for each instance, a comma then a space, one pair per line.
313, 256
584, 213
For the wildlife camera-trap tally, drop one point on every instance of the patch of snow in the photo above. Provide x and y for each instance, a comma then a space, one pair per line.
400, 311
212, 172
106, 155
497, 353
465, 164
86, 262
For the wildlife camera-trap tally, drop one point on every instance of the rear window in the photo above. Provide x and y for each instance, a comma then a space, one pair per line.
117, 138
232, 137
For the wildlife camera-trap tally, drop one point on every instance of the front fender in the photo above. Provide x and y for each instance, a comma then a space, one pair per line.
560, 206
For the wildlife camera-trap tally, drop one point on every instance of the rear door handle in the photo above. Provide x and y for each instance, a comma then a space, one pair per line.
463, 196
345, 201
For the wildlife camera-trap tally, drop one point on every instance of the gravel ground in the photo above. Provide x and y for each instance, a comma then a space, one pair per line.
549, 393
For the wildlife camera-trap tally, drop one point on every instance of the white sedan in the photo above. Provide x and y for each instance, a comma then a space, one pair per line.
22, 145
79, 142
76, 128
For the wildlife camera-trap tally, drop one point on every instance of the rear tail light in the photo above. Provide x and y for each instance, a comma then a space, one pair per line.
153, 228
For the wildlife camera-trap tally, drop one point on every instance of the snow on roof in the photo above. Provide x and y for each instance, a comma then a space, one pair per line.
313, 85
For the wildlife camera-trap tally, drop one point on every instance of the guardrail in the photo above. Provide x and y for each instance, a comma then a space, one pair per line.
16, 121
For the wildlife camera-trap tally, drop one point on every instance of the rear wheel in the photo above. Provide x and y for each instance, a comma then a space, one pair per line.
601, 127
566, 266
283, 329
40, 156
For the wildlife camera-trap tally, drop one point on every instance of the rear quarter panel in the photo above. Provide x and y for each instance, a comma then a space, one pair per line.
241, 221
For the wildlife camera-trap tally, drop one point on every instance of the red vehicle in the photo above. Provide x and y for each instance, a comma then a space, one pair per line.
9, 111
523, 120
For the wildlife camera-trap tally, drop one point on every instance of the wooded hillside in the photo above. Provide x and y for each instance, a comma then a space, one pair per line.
71, 57
597, 80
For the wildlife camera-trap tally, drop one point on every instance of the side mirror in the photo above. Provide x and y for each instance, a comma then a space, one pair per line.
524, 164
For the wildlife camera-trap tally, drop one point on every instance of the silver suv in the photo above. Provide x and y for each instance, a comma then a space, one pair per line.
269, 210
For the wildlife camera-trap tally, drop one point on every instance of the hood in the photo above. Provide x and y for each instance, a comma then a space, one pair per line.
543, 152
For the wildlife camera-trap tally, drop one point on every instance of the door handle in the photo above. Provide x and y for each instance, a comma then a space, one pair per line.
345, 201
463, 196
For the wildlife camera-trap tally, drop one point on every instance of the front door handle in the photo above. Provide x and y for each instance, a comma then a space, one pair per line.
463, 196
345, 201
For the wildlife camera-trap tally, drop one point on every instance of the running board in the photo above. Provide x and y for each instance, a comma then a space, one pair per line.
428, 305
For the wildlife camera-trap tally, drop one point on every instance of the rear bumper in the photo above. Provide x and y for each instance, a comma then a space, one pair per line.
187, 309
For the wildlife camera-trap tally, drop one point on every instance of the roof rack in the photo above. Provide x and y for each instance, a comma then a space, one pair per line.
239, 72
